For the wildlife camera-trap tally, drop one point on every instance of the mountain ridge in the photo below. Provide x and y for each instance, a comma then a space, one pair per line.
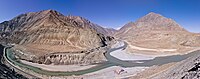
156, 31
39, 34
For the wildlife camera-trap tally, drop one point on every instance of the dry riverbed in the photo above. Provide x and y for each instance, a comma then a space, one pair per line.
114, 73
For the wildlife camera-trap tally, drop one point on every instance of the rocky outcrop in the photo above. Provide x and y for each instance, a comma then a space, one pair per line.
193, 73
66, 58
186, 69
85, 57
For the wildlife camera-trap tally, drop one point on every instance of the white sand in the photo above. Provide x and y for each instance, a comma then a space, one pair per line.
110, 73
58, 67
126, 55
123, 55
161, 52
148, 49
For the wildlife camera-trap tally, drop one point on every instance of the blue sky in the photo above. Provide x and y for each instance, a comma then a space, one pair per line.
110, 13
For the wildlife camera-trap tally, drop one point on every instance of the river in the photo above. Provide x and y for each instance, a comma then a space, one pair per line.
112, 61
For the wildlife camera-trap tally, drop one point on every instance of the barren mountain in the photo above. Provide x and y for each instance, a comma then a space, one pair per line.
46, 32
125, 29
105, 31
157, 32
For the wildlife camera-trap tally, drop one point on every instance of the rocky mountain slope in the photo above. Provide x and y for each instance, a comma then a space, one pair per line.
155, 31
45, 32
105, 31
186, 69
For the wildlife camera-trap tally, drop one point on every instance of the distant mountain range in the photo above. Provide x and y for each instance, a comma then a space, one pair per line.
49, 31
156, 31
52, 28
150, 22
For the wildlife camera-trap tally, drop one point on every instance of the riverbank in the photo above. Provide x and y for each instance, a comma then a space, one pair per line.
127, 55
123, 66
62, 68
67, 71
114, 72
123, 55
159, 52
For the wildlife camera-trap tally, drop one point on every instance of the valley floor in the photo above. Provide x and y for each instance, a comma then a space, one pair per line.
148, 69
148, 72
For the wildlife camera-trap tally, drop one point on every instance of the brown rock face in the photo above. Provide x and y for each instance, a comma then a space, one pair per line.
155, 31
105, 31
129, 27
153, 21
44, 32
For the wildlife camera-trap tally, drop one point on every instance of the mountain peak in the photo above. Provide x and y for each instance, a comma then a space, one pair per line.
153, 14
151, 17
50, 11
156, 21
